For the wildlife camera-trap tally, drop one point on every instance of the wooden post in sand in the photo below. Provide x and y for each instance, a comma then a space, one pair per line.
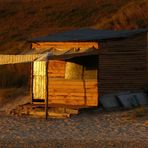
46, 100
31, 83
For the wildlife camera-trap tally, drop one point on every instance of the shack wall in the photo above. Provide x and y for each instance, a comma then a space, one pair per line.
72, 90
123, 65
62, 91
75, 92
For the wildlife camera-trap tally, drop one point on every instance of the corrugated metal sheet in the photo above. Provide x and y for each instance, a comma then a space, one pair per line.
13, 59
39, 80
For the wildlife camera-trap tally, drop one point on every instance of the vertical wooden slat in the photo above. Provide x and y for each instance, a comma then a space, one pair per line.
39, 80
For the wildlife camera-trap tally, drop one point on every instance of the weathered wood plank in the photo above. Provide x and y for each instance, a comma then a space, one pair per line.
81, 94
50, 114
73, 101
64, 45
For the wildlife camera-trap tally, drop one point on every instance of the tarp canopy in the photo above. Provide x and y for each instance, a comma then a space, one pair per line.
52, 54
68, 54
13, 59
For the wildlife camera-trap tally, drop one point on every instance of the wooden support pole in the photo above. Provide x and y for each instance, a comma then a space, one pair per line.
46, 100
98, 78
31, 83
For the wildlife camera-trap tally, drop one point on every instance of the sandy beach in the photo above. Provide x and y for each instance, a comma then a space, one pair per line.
91, 128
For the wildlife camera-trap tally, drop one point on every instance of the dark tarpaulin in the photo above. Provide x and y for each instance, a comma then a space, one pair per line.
142, 98
88, 34
124, 100
133, 99
109, 101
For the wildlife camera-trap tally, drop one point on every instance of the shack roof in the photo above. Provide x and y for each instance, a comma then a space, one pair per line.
88, 34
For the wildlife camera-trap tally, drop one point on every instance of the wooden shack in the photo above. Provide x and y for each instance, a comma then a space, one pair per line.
81, 65
70, 81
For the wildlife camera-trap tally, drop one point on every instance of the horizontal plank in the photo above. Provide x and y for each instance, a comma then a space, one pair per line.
70, 98
58, 75
66, 102
62, 46
64, 86
71, 86
112, 83
50, 114
105, 63
130, 75
113, 61
68, 86
56, 71
72, 82
73, 102
126, 57
73, 90
129, 70
70, 95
